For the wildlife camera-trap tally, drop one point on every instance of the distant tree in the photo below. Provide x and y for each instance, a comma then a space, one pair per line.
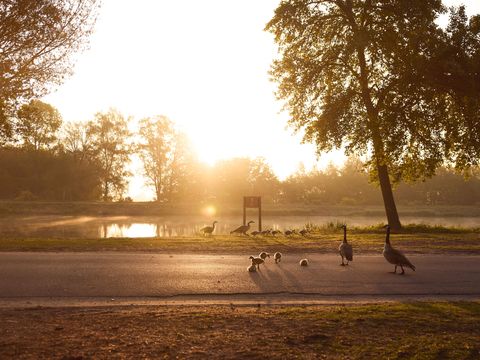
109, 136
156, 146
231, 179
263, 180
183, 174
37, 40
75, 140
353, 74
37, 124
46, 175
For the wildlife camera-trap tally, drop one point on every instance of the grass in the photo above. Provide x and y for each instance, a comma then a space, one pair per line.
433, 330
364, 242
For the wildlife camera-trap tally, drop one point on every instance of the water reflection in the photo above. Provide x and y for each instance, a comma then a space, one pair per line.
167, 226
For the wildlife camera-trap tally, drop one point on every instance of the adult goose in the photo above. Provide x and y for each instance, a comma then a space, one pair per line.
345, 249
394, 256
208, 230
242, 229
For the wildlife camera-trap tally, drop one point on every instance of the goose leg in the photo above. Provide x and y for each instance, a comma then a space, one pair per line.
346, 263
403, 271
342, 264
395, 271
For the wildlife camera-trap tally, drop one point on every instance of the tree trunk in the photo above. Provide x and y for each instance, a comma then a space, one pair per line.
388, 200
105, 191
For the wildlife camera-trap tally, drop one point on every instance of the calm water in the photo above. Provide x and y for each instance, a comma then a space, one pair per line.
125, 226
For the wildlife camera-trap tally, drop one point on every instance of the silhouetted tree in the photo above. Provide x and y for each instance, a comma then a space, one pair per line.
109, 136
263, 180
352, 73
183, 174
75, 140
156, 146
37, 124
37, 40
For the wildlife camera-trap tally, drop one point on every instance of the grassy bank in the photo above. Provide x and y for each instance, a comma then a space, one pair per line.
37, 208
393, 331
364, 241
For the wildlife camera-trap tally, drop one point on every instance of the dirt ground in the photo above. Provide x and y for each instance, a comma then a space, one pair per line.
394, 331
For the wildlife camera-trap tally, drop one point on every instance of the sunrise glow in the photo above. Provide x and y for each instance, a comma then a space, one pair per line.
202, 64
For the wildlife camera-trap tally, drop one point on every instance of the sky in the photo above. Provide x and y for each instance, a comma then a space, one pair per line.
204, 64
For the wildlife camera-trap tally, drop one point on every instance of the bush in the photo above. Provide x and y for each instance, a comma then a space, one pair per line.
26, 195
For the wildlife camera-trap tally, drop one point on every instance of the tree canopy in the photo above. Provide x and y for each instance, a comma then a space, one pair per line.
358, 74
37, 40
111, 148
37, 124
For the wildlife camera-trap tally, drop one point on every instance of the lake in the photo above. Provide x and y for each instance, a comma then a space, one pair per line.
166, 226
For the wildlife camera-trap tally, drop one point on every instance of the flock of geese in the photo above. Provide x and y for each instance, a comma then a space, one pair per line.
392, 255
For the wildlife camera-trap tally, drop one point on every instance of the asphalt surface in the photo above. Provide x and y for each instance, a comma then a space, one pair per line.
139, 275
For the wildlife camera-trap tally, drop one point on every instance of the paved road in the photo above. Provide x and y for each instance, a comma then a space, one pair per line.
59, 275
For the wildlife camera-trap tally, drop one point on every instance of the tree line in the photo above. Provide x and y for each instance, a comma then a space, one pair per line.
47, 159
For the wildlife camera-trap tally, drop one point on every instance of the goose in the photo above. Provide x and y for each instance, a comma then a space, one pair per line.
277, 257
345, 249
276, 232
303, 232
242, 229
208, 230
255, 233
289, 232
256, 261
263, 255
394, 256
304, 262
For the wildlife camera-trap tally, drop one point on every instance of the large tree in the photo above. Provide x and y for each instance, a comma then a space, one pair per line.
37, 40
166, 156
37, 125
110, 144
455, 73
352, 74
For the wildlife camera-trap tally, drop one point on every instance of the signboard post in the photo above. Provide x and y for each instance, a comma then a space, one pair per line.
253, 202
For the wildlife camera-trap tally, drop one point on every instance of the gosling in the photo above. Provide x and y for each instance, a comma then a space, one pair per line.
277, 257
263, 255
256, 261
304, 262
252, 268
394, 256
345, 249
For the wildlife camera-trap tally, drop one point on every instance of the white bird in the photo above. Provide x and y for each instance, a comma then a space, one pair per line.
242, 229
345, 249
277, 257
394, 256
256, 261
208, 230
304, 262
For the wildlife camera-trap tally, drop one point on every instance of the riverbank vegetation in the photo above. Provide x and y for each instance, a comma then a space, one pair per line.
322, 240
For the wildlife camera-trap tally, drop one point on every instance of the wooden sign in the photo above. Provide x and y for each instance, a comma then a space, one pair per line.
254, 202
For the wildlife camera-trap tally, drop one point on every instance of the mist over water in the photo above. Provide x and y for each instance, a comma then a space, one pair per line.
167, 226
